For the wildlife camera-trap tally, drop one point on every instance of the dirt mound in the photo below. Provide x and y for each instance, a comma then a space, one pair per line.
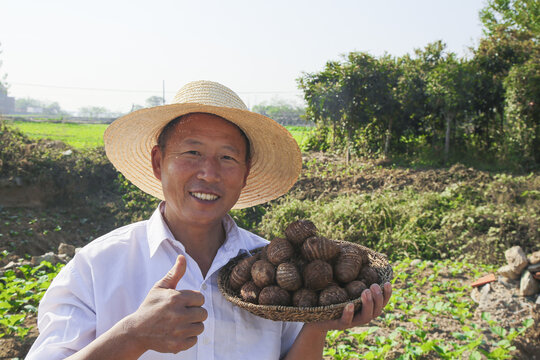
327, 176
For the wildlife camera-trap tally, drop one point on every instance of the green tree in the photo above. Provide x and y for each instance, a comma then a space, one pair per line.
322, 93
3, 83
446, 88
154, 101
282, 112
522, 110
521, 15
93, 112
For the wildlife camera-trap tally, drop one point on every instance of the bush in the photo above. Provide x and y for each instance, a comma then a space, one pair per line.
474, 222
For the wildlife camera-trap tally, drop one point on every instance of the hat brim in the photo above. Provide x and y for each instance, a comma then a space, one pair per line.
276, 160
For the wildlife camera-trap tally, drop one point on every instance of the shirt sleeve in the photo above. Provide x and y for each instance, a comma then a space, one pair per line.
288, 336
66, 315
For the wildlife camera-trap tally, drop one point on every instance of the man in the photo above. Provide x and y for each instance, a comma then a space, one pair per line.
149, 290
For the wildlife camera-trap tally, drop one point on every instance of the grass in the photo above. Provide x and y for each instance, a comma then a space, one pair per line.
21, 291
79, 136
83, 136
410, 327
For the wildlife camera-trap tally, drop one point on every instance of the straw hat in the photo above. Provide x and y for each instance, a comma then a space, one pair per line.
275, 157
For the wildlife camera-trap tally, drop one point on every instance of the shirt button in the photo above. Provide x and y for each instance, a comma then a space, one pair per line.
203, 286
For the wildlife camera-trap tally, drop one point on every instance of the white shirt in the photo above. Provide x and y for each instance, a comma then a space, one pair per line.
110, 277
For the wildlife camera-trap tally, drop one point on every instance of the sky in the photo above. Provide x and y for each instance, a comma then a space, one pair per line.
117, 53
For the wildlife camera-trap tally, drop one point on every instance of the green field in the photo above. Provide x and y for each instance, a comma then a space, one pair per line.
79, 136
82, 136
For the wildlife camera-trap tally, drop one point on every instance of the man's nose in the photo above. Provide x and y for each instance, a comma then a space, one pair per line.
210, 169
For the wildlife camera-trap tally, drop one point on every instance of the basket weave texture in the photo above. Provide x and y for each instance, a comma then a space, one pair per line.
300, 314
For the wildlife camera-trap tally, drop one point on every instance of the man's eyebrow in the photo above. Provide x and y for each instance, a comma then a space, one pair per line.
232, 148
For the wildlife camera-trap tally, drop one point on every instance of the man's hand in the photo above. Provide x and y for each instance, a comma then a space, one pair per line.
373, 302
310, 342
169, 320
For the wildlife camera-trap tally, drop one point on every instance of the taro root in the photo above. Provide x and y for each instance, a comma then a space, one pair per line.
355, 288
318, 247
263, 273
279, 251
263, 255
241, 273
288, 277
317, 275
333, 295
368, 275
274, 295
250, 292
305, 298
348, 263
300, 230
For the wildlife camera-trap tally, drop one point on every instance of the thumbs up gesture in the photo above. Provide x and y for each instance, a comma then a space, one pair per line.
169, 320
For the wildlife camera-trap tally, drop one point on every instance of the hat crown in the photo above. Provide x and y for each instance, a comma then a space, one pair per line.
208, 93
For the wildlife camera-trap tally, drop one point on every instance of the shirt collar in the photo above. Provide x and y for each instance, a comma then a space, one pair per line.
158, 231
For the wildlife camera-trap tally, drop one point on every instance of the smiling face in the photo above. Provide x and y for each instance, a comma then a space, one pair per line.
202, 170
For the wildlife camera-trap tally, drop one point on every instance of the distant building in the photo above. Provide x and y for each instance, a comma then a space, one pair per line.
7, 104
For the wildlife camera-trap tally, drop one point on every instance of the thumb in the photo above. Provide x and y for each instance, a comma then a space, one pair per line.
171, 279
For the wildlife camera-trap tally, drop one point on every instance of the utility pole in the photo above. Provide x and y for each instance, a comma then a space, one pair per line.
163, 92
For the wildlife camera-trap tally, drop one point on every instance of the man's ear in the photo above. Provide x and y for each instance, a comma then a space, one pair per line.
156, 161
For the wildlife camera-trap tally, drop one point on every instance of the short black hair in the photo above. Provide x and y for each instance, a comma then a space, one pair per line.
166, 132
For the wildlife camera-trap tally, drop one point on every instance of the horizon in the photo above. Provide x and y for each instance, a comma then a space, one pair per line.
115, 55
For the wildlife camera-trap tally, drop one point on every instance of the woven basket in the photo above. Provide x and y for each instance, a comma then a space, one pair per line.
300, 314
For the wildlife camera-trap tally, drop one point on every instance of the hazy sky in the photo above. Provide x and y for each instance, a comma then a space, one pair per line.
118, 53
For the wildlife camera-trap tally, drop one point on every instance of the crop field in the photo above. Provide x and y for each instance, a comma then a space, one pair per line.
441, 228
79, 136
83, 136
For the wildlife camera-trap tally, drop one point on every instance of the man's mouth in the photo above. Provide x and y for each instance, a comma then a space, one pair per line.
204, 196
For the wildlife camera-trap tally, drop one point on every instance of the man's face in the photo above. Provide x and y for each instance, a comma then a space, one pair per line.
202, 170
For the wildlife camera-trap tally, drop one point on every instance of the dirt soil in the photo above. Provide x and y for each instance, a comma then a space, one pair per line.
504, 305
28, 228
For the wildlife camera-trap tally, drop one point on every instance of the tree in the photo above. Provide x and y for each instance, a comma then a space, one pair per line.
282, 112
446, 89
522, 110
521, 15
93, 112
3, 84
154, 101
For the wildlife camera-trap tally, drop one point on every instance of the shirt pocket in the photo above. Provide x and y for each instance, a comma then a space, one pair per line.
256, 338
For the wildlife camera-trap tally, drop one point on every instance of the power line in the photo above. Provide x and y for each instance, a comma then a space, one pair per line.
139, 91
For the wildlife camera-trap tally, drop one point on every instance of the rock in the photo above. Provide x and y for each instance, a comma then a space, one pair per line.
516, 259
483, 302
67, 152
534, 268
508, 283
11, 265
538, 300
480, 295
50, 257
534, 258
67, 249
64, 258
77, 249
475, 295
528, 286
429, 264
508, 272
536, 275
415, 262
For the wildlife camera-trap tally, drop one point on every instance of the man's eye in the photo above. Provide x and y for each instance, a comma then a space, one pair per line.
192, 152
227, 157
